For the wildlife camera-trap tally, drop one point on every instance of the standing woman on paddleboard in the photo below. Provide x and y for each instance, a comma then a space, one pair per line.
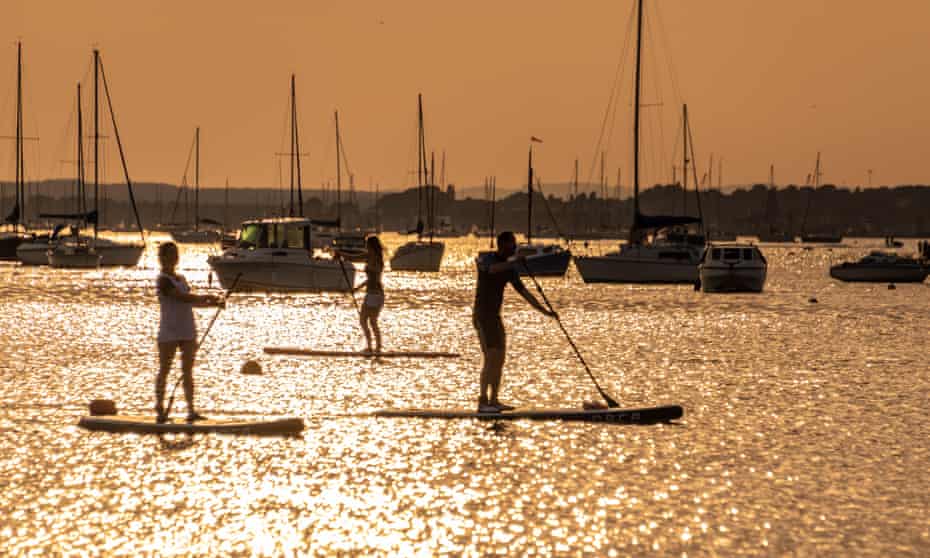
374, 292
176, 329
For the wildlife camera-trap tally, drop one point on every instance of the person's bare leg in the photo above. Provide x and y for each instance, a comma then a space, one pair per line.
495, 359
363, 319
166, 352
376, 328
188, 351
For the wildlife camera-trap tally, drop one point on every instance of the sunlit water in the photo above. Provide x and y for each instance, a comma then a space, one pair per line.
805, 426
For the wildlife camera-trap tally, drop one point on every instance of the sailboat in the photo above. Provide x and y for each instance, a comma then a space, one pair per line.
112, 252
673, 254
196, 235
541, 259
421, 255
10, 240
822, 238
35, 251
276, 254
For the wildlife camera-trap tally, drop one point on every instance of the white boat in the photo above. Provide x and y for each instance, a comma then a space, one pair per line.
728, 268
664, 259
276, 255
418, 255
73, 255
881, 267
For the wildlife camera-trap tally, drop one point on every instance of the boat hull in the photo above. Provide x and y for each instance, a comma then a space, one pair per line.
33, 253
9, 242
732, 279
283, 274
418, 256
629, 268
148, 425
74, 259
548, 265
880, 274
196, 237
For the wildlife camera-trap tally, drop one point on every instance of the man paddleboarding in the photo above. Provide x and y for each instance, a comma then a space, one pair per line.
176, 329
494, 272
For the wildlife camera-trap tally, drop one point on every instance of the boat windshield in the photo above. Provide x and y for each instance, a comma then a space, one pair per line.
250, 235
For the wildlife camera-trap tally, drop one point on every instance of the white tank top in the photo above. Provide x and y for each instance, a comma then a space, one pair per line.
177, 317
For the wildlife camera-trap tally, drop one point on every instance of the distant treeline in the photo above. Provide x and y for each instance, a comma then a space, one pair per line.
880, 211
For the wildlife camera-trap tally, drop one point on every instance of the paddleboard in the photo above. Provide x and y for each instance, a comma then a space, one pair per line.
647, 415
294, 351
148, 425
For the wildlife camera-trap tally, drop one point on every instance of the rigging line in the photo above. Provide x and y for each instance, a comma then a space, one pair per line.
697, 189
183, 186
122, 156
667, 51
613, 100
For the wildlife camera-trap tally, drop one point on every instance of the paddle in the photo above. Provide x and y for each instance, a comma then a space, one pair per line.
202, 339
610, 401
349, 284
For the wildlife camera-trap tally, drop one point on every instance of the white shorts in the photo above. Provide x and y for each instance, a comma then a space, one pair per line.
374, 300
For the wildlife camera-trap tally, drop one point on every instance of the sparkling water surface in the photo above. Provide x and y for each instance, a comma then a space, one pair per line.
804, 428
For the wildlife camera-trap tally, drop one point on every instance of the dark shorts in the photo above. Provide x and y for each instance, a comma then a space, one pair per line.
490, 332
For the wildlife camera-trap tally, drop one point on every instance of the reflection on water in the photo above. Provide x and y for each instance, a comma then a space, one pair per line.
804, 428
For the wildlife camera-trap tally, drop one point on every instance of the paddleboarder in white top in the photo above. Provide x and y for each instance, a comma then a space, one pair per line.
495, 271
176, 329
374, 292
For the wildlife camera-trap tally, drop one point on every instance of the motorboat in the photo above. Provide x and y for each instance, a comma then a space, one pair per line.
276, 255
544, 260
881, 267
418, 255
733, 267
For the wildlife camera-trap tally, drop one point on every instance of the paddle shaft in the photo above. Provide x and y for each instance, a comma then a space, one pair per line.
202, 339
349, 284
610, 401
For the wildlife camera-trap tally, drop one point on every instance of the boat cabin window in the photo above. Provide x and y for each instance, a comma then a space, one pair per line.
715, 254
747, 254
250, 236
731, 253
295, 237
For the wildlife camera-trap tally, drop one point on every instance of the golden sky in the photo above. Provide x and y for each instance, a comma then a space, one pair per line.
765, 81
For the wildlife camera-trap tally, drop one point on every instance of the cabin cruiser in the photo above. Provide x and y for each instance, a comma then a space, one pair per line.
881, 267
544, 260
733, 267
671, 256
276, 255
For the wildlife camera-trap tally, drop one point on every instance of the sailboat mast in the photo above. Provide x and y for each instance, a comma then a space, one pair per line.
338, 173
82, 200
431, 196
684, 158
20, 160
96, 140
197, 179
529, 198
421, 163
636, 101
292, 154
